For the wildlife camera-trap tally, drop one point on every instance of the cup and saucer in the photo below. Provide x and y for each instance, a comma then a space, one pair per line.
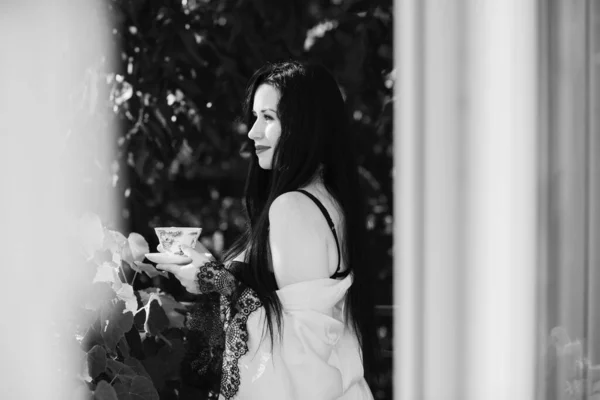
171, 239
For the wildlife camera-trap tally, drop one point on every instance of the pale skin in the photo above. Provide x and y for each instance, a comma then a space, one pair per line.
302, 245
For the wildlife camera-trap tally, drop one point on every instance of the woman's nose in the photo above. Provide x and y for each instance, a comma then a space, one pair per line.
256, 132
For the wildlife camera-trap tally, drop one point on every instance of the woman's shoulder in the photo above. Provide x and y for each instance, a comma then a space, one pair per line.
290, 205
294, 213
298, 248
296, 203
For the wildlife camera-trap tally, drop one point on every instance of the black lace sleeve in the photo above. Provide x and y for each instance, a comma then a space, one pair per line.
214, 277
206, 326
218, 335
236, 342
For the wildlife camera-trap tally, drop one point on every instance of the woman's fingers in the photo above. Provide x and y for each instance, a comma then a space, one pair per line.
198, 258
172, 268
186, 274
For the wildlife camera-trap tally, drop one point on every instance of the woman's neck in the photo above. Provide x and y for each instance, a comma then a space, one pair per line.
316, 181
318, 176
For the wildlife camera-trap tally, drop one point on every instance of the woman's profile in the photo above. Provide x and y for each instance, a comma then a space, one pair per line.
295, 314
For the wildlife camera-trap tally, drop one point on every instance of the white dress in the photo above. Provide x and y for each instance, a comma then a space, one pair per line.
318, 357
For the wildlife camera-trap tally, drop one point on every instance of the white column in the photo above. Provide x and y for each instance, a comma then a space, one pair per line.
501, 199
465, 199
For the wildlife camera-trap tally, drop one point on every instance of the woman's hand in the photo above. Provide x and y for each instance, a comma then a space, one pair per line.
187, 273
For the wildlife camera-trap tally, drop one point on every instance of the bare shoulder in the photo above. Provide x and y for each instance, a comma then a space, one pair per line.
289, 206
298, 250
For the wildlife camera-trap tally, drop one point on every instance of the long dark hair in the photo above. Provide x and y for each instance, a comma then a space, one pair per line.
314, 133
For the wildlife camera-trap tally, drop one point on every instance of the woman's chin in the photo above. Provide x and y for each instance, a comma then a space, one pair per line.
264, 164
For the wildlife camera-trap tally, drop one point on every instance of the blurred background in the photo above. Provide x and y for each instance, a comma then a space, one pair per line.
173, 92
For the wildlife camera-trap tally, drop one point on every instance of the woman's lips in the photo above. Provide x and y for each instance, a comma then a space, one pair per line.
260, 149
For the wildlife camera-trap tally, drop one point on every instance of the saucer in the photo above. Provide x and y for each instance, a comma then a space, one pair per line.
166, 258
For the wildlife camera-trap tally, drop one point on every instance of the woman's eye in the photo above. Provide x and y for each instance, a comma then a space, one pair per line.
268, 117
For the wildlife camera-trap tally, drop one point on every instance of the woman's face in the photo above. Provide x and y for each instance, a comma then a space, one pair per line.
267, 128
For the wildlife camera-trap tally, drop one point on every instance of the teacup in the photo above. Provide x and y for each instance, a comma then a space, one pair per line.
171, 239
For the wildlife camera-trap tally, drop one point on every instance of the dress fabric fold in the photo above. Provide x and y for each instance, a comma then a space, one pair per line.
317, 356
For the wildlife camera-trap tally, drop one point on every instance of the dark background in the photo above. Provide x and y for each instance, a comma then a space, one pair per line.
174, 92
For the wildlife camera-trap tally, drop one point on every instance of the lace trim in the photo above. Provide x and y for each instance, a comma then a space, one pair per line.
214, 277
236, 342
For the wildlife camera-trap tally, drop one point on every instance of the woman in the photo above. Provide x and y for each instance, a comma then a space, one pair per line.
296, 305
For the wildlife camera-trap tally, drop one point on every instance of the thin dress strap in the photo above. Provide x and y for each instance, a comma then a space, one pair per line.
336, 274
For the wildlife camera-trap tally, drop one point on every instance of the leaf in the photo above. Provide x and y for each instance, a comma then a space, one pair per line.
148, 269
142, 389
140, 319
121, 371
135, 342
114, 323
90, 233
122, 391
114, 241
156, 319
118, 246
105, 392
124, 347
137, 366
105, 273
117, 258
176, 312
126, 255
96, 361
92, 337
125, 292
138, 245
100, 293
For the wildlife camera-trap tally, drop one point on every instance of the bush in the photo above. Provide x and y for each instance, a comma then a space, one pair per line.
134, 341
